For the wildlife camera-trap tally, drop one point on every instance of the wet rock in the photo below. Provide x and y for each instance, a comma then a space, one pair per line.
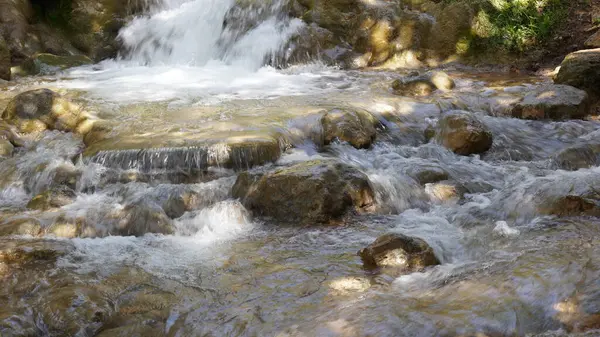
54, 197
4, 60
66, 175
425, 174
23, 251
581, 70
567, 194
318, 191
7, 133
356, 127
445, 191
413, 87
41, 109
21, 226
179, 202
73, 310
441, 80
398, 251
6, 148
49, 64
577, 157
462, 133
423, 85
593, 41
553, 102
64, 227
141, 218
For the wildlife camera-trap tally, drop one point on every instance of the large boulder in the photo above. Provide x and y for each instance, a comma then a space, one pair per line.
462, 133
581, 70
553, 102
4, 60
356, 127
318, 191
42, 109
398, 251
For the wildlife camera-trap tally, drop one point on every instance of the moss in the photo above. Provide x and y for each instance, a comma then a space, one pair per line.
511, 26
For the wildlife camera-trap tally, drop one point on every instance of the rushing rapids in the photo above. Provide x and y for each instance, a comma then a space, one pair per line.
182, 214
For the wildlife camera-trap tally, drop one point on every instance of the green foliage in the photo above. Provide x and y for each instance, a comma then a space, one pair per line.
516, 25
57, 13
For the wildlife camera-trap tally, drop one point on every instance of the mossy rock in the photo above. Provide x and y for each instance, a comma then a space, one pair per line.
356, 127
46, 64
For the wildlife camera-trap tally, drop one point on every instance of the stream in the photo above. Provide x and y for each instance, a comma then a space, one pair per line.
508, 268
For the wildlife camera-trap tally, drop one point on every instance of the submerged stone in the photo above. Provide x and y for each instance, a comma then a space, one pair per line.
423, 85
174, 152
73, 310
21, 226
398, 251
425, 174
6, 148
577, 157
318, 191
553, 102
26, 250
462, 133
356, 127
55, 197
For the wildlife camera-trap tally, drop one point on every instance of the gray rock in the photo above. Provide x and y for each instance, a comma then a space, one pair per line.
553, 102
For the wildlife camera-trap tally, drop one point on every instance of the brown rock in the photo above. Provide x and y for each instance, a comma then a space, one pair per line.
462, 133
55, 197
398, 251
553, 102
41, 109
5, 62
318, 191
581, 70
355, 127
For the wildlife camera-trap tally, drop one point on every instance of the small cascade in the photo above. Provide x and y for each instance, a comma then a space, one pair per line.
198, 32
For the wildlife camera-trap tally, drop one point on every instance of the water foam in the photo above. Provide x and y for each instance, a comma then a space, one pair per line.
185, 51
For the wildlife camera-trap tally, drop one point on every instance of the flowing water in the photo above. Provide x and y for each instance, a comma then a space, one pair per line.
508, 267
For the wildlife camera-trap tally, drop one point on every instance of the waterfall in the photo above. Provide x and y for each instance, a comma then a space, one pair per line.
198, 32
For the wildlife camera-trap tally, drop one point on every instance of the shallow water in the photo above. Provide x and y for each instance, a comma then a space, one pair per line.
508, 268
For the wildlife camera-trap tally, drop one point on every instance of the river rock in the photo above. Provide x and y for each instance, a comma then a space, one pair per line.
7, 133
44, 63
312, 192
581, 70
445, 191
141, 218
54, 197
462, 133
577, 157
21, 226
413, 87
6, 148
425, 174
398, 251
553, 102
180, 201
356, 127
593, 41
423, 85
25, 250
41, 109
4, 60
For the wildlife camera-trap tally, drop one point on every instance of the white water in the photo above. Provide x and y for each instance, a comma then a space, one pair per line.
183, 51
